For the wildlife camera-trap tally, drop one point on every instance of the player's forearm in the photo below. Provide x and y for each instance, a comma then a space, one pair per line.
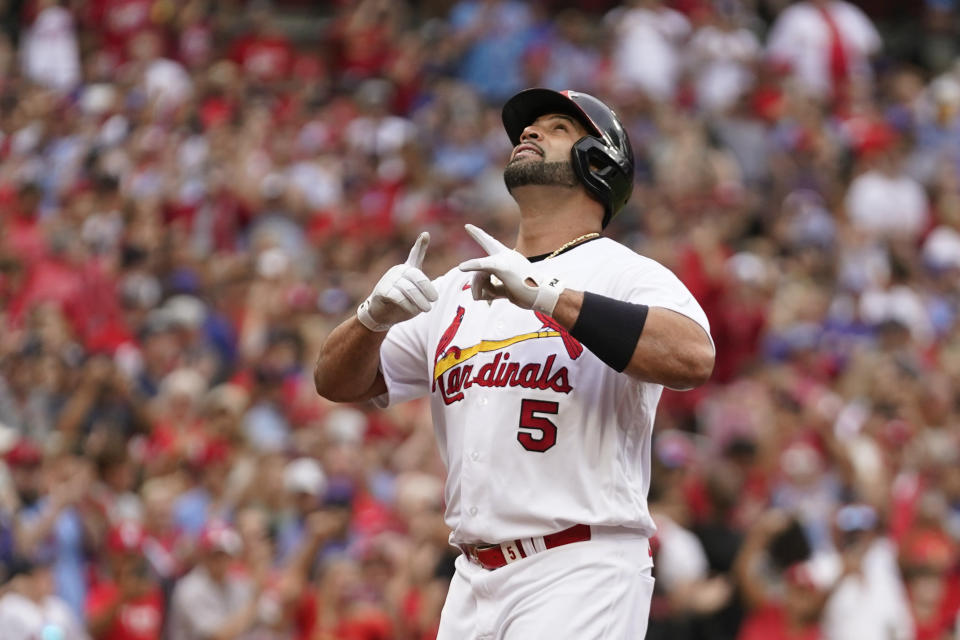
672, 349
347, 368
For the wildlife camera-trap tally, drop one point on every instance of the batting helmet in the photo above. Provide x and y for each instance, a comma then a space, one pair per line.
602, 160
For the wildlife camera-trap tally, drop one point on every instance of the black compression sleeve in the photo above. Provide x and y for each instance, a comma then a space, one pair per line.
610, 328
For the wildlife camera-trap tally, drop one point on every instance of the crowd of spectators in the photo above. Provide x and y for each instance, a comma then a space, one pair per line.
193, 193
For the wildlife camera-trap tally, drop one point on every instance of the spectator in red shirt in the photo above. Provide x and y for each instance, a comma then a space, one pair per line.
365, 38
177, 433
118, 23
339, 610
789, 613
264, 54
932, 579
23, 234
127, 604
163, 545
195, 39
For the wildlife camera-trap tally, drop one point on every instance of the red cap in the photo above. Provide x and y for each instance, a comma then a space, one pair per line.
125, 537
23, 454
929, 549
869, 136
218, 536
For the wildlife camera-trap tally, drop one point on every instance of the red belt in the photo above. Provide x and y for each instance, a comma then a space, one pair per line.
494, 556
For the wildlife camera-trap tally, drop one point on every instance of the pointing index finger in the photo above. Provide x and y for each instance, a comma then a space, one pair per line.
487, 242
415, 259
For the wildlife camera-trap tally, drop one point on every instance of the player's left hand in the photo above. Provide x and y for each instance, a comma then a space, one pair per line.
505, 273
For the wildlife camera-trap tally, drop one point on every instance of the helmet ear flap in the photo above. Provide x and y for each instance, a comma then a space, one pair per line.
601, 170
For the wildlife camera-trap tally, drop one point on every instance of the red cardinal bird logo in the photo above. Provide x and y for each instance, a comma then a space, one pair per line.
447, 338
573, 346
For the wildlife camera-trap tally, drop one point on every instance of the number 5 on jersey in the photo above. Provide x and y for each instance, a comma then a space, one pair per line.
537, 433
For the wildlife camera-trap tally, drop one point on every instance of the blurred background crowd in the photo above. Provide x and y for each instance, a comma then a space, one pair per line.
193, 193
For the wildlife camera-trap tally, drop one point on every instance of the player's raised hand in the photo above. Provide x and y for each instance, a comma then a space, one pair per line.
403, 292
505, 273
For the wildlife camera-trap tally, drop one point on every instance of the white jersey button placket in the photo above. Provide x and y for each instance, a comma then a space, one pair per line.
471, 466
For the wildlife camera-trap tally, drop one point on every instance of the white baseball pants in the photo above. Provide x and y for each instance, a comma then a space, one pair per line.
594, 590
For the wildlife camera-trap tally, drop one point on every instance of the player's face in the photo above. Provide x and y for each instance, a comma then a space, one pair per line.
548, 139
543, 155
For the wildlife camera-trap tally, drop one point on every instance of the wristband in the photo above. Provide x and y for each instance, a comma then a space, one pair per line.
547, 296
610, 328
363, 315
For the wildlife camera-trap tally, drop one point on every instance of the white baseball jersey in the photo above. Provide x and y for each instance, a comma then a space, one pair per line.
536, 432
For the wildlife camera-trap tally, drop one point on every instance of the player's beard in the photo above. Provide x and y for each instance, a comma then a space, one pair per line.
522, 174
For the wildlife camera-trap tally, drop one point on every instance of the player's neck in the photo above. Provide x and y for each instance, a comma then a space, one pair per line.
547, 223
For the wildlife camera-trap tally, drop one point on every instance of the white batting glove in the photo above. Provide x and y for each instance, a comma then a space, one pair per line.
504, 273
403, 292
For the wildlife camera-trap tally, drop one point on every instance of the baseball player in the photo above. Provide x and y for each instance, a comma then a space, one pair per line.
544, 365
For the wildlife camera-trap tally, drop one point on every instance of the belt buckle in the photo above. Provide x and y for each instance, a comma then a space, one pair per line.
477, 549
471, 551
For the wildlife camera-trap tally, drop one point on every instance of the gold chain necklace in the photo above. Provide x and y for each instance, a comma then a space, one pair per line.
575, 241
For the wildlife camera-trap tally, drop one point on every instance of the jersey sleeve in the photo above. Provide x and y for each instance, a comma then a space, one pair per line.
403, 362
656, 286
